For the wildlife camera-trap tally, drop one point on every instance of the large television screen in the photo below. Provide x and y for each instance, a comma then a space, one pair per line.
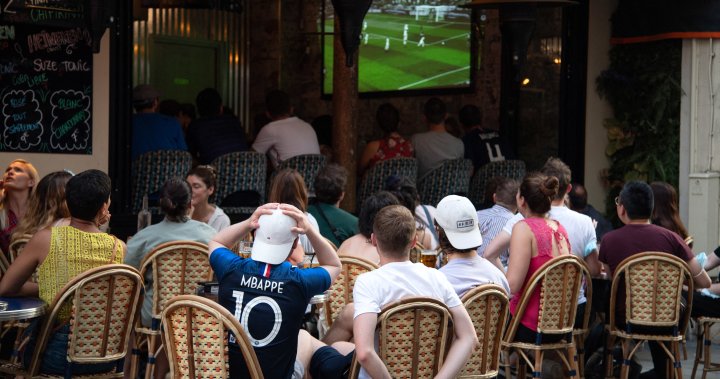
408, 45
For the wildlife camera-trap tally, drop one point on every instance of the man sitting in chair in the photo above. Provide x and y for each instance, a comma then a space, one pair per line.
398, 278
269, 296
634, 207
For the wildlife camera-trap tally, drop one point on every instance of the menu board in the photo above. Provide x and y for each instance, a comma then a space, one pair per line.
45, 89
44, 12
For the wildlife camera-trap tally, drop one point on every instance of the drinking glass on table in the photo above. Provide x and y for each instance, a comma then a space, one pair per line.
429, 258
245, 249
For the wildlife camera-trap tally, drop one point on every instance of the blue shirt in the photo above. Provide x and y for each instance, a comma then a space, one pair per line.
154, 131
269, 301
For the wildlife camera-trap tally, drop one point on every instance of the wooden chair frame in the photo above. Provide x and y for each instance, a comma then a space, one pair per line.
679, 321
489, 325
336, 299
702, 349
194, 303
150, 336
418, 305
73, 292
550, 321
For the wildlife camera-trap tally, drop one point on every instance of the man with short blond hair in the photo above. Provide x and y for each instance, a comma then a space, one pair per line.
398, 278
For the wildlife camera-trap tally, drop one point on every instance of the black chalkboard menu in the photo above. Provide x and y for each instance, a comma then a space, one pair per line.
44, 12
45, 89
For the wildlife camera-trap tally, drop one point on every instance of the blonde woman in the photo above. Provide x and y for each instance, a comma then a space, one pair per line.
47, 205
18, 182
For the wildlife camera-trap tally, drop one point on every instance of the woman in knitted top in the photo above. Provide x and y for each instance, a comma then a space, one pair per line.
61, 253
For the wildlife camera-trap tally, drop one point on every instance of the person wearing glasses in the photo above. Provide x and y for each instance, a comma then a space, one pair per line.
635, 209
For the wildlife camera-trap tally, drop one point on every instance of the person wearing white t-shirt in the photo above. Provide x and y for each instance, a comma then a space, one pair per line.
580, 228
285, 136
398, 278
459, 238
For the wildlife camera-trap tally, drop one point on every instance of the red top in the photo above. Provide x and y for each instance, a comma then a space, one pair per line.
544, 235
6, 233
392, 147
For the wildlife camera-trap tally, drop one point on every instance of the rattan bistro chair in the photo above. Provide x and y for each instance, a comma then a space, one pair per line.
176, 268
341, 290
103, 305
413, 336
559, 280
488, 308
702, 350
653, 293
196, 333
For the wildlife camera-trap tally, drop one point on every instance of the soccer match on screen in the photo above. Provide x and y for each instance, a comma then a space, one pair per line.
409, 45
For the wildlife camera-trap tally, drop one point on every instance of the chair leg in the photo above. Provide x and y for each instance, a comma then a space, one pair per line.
625, 367
537, 367
573, 360
506, 362
609, 346
678, 361
149, 368
707, 341
580, 356
699, 342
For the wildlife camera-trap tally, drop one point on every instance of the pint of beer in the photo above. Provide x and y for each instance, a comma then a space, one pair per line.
428, 258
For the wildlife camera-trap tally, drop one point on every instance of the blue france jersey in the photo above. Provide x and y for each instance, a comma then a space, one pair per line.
269, 301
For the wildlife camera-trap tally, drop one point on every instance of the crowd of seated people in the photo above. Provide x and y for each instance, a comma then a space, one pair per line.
528, 224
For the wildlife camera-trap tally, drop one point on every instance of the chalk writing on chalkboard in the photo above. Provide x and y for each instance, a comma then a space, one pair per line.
45, 89
44, 12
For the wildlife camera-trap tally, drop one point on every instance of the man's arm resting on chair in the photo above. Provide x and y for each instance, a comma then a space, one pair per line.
463, 344
364, 332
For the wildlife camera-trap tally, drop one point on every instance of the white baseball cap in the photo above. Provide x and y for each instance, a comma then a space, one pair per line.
457, 216
273, 238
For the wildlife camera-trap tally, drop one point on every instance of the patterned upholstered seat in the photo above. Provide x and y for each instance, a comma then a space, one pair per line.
104, 305
653, 293
412, 338
488, 309
151, 170
559, 280
374, 179
196, 333
244, 171
308, 165
341, 290
453, 177
176, 268
514, 169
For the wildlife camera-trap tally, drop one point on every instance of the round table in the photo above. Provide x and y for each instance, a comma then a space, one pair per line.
21, 308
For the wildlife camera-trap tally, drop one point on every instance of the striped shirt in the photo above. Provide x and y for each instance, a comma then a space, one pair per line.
491, 222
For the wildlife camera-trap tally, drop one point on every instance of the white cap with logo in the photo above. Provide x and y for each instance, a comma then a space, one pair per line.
457, 216
273, 238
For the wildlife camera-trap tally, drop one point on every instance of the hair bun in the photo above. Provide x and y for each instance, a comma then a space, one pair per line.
550, 186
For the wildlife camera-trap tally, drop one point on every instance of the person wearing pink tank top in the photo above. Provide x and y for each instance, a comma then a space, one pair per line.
534, 241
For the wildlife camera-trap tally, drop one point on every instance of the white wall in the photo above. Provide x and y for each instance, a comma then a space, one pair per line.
46, 163
597, 109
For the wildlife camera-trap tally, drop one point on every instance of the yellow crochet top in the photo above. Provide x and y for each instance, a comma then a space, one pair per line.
72, 252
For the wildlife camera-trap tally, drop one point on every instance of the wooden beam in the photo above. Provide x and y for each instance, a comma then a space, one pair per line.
344, 104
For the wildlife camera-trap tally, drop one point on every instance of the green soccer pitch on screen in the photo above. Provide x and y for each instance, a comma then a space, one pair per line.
405, 45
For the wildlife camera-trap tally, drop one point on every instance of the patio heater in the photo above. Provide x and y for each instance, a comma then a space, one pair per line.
517, 25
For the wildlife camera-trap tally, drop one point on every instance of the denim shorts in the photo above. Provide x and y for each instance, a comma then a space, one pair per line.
54, 358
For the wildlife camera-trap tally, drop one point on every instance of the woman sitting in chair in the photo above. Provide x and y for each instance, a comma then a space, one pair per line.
46, 207
392, 145
288, 187
202, 181
177, 226
535, 240
18, 182
61, 253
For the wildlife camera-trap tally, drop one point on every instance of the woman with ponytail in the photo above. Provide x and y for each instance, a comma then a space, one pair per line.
535, 240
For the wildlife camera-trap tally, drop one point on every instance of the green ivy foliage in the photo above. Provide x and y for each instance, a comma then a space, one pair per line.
642, 86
